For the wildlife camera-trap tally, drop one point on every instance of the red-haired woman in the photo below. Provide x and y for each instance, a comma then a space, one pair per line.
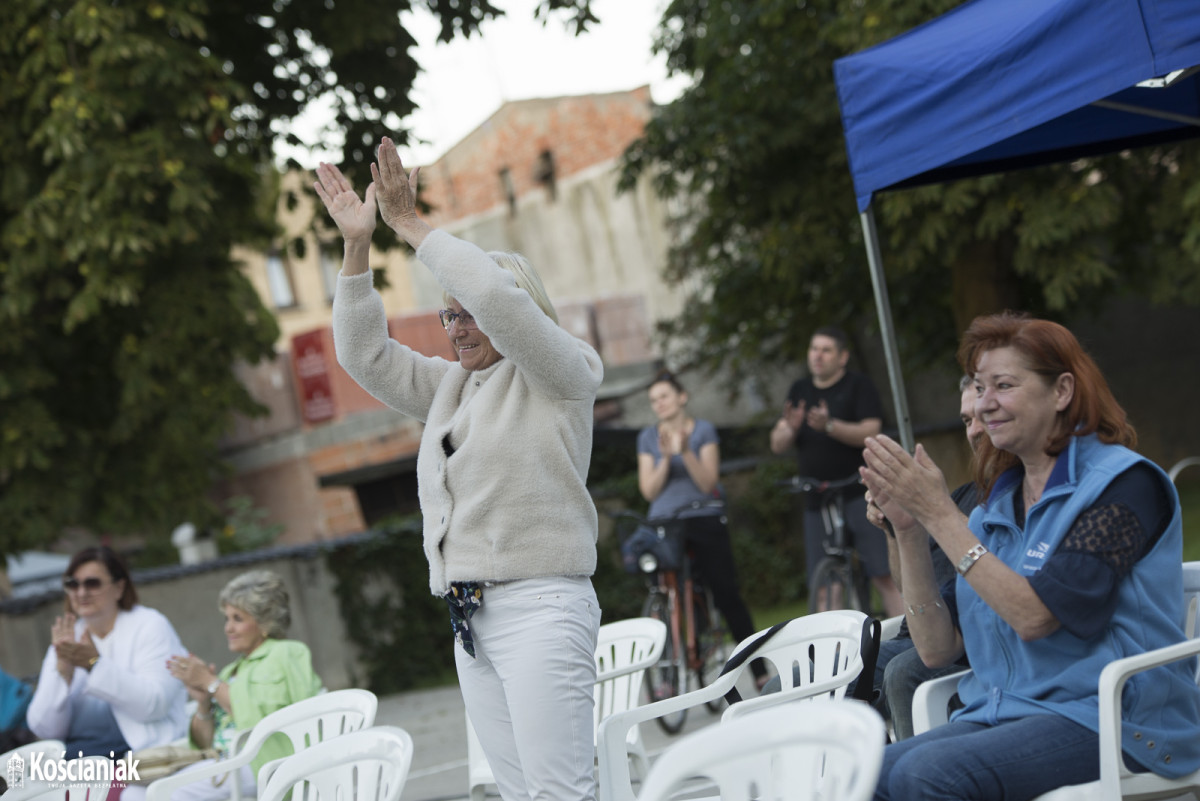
1072, 560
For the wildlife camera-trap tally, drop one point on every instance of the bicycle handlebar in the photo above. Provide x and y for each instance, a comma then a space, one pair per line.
655, 522
808, 484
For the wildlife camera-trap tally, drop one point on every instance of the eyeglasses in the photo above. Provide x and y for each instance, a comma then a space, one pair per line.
465, 320
91, 583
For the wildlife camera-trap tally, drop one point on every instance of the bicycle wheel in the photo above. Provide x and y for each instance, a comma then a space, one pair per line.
667, 677
710, 645
835, 582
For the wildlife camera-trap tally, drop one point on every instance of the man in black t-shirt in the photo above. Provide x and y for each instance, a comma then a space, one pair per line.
827, 418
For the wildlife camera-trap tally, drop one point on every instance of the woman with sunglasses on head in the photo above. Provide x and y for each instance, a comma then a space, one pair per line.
510, 529
104, 685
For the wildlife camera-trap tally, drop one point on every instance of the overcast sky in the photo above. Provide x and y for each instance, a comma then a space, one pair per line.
463, 83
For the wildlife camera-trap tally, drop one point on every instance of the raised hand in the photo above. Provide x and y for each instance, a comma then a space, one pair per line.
355, 218
397, 193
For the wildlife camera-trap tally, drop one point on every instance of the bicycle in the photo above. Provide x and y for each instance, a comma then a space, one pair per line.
694, 652
839, 578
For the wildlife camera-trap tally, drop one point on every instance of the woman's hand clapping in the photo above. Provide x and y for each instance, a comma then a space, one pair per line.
71, 653
354, 217
907, 489
195, 674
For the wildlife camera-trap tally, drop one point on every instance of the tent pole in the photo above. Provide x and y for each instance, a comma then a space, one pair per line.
886, 329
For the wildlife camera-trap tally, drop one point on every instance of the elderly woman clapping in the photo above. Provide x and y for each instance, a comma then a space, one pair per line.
1072, 560
269, 673
510, 529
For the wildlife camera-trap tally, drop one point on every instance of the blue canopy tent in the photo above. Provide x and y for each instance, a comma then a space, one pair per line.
995, 85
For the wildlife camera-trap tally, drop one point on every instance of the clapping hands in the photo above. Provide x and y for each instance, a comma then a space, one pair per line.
71, 653
195, 674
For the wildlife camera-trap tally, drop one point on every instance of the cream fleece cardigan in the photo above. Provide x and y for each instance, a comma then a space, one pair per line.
512, 501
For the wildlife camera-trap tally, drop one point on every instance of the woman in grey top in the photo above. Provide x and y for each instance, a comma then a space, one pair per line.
509, 527
679, 463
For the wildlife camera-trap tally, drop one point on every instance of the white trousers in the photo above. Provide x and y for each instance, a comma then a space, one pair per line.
528, 691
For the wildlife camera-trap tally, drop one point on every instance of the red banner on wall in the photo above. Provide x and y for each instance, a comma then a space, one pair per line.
312, 376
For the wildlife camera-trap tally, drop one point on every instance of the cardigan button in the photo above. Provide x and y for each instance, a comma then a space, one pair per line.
1149, 743
1136, 735
1167, 759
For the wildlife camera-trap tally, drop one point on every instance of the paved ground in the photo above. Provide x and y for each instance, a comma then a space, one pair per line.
435, 719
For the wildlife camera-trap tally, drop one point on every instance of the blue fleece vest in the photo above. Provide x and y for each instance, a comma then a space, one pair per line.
1059, 674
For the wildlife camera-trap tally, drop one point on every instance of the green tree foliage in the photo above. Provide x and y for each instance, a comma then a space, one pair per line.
135, 140
769, 239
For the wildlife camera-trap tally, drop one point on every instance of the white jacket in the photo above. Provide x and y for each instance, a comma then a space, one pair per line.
131, 675
512, 500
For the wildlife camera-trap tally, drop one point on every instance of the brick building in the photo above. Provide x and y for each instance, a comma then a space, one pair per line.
539, 177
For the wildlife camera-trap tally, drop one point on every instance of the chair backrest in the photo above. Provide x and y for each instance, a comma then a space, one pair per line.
624, 650
817, 649
1191, 605
832, 750
316, 719
93, 785
367, 765
1191, 599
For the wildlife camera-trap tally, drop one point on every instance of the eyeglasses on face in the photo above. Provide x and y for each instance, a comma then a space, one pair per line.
465, 320
91, 583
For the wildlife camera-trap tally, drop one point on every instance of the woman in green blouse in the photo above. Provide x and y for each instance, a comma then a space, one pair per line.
269, 674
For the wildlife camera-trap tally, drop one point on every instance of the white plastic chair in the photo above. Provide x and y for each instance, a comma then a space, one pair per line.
306, 723
367, 765
1116, 781
58, 790
823, 646
832, 751
624, 649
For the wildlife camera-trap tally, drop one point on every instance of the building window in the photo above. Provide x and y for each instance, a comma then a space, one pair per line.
329, 265
510, 190
279, 281
543, 173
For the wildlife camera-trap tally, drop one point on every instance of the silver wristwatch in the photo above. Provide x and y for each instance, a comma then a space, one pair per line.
970, 558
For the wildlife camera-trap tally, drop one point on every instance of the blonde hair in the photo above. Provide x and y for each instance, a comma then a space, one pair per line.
526, 278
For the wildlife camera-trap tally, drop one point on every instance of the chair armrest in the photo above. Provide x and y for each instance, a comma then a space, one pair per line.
613, 772
890, 627
817, 688
162, 789
1112, 684
931, 699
